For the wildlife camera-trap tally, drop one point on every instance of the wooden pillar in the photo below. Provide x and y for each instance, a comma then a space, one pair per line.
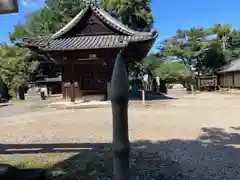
80, 86
64, 97
233, 82
72, 97
64, 93
109, 70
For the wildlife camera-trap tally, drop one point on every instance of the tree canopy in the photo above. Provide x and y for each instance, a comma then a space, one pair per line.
172, 71
198, 51
16, 66
133, 13
204, 50
57, 13
48, 19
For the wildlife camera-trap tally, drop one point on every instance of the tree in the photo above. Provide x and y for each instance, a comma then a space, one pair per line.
213, 59
48, 19
44, 22
234, 43
186, 46
200, 52
57, 13
222, 32
136, 15
15, 66
151, 62
133, 13
172, 71
222, 48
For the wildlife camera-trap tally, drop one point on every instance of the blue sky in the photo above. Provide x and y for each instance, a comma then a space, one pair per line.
169, 15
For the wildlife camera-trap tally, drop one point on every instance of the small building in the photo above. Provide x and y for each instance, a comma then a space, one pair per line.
229, 75
208, 83
86, 49
53, 84
47, 73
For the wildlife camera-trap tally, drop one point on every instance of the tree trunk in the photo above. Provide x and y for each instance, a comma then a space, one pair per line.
163, 88
21, 92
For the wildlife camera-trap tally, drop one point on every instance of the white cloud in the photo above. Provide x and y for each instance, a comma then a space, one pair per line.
29, 3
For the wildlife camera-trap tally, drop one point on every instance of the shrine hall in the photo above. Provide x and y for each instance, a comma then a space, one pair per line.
86, 49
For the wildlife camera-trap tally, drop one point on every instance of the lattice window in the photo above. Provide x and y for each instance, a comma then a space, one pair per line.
88, 78
101, 77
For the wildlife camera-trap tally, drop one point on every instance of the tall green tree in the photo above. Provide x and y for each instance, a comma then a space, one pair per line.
187, 45
222, 48
15, 66
57, 13
136, 15
173, 71
151, 62
234, 43
222, 32
133, 13
48, 19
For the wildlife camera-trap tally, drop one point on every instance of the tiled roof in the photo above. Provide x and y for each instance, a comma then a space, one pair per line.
84, 42
104, 16
231, 66
46, 80
57, 43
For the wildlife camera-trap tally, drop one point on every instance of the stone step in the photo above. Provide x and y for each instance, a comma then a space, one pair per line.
94, 97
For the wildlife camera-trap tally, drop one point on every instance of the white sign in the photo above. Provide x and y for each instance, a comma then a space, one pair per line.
145, 78
8, 6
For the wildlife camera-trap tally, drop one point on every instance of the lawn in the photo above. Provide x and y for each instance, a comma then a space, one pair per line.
40, 160
70, 166
92, 165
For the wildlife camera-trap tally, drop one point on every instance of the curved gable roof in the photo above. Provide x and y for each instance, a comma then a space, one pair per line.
104, 16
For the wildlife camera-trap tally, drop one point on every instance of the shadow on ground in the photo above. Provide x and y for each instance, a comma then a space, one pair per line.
149, 95
214, 155
5, 104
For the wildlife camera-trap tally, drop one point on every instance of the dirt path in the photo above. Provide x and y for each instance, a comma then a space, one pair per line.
200, 132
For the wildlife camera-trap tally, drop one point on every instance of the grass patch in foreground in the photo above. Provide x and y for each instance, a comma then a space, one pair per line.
46, 160
92, 165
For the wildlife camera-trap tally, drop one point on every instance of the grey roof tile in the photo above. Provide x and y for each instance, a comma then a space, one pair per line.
56, 43
231, 66
83, 42
104, 16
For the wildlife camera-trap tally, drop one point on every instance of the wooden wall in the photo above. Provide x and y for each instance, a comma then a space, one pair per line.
88, 79
89, 71
89, 75
229, 80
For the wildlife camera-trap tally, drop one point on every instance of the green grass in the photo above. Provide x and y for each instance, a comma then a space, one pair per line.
91, 165
35, 160
17, 101
70, 166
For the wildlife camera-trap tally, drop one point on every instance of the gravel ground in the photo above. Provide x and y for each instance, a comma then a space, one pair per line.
199, 132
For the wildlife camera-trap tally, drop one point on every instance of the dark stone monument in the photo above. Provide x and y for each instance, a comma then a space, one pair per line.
119, 101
